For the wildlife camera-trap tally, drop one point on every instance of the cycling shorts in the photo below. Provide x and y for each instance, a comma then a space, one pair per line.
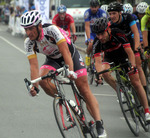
79, 66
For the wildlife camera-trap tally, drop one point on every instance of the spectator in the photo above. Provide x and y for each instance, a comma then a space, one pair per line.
18, 11
23, 10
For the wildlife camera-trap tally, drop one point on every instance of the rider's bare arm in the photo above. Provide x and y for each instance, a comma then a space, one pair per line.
135, 31
87, 29
131, 56
34, 69
145, 38
64, 50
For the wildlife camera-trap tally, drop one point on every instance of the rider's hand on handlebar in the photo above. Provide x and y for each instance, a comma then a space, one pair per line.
99, 80
74, 38
33, 91
72, 75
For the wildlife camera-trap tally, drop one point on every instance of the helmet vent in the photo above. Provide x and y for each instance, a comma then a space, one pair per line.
32, 19
28, 20
24, 20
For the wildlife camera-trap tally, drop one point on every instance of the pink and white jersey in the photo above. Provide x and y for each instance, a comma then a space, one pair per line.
51, 37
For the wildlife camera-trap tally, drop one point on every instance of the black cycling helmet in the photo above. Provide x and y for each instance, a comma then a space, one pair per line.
115, 6
94, 3
100, 25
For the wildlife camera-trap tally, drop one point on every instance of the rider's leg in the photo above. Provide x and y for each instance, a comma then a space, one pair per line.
108, 77
46, 84
92, 104
140, 70
135, 80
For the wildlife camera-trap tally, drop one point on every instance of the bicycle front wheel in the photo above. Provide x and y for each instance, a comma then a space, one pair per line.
147, 76
66, 119
128, 109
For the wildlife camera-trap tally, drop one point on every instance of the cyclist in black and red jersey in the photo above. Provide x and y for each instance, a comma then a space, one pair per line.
127, 24
117, 49
52, 41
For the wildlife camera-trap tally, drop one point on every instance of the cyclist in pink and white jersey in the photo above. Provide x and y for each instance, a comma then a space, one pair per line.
65, 21
53, 42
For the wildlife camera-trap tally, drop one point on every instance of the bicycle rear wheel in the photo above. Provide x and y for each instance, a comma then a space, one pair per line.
140, 109
128, 109
66, 119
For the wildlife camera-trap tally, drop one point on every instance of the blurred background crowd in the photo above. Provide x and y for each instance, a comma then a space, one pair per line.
11, 8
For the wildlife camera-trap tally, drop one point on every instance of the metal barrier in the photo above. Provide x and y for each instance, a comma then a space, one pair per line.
80, 32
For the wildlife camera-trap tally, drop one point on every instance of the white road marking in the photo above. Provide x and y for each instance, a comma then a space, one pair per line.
106, 95
11, 44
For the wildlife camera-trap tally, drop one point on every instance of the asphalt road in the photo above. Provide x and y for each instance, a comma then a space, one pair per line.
22, 116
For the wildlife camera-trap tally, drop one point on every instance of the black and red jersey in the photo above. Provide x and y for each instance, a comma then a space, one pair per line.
113, 49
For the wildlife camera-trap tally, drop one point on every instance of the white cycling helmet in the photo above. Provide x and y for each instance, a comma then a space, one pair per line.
30, 18
127, 8
141, 7
104, 7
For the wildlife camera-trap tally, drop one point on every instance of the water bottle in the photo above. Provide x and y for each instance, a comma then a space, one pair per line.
73, 104
87, 60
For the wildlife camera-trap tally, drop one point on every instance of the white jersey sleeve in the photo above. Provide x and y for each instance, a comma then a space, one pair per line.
29, 48
54, 32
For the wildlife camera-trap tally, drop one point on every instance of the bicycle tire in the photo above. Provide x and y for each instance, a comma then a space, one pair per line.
140, 109
142, 121
147, 76
128, 109
68, 124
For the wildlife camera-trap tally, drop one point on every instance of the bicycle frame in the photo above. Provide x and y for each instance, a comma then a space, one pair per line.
58, 81
132, 102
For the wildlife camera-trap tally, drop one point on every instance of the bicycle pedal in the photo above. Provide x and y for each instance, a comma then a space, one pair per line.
91, 123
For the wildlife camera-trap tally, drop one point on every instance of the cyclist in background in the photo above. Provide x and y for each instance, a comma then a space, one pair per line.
116, 47
126, 23
140, 10
105, 8
145, 28
65, 21
90, 16
127, 8
52, 41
